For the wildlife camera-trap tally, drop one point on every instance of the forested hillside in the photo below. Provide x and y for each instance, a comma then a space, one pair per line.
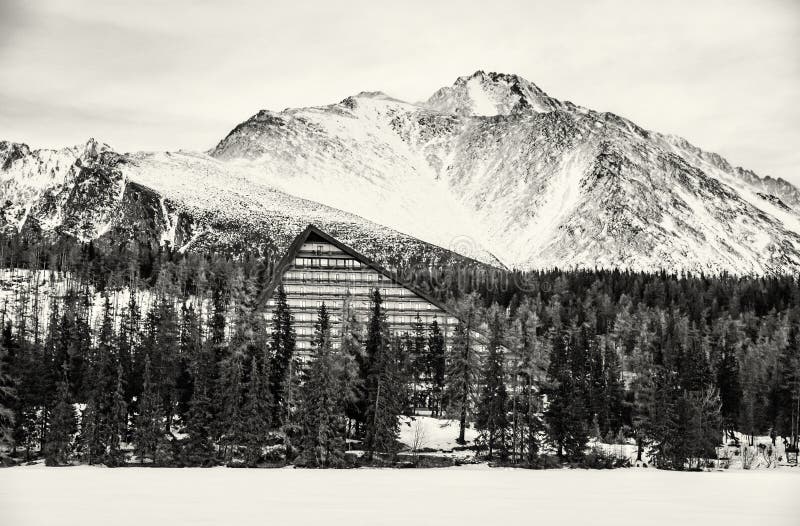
107, 348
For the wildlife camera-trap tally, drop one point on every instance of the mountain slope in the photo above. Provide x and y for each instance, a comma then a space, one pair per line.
188, 200
499, 166
491, 167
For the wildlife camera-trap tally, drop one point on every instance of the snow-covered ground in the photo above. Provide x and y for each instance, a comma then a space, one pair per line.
466, 495
424, 432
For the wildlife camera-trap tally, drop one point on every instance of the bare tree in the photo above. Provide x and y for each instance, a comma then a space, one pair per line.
418, 439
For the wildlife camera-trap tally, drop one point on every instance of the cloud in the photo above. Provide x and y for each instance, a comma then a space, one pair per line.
163, 75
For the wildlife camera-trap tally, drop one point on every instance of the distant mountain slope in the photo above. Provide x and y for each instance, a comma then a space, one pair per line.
536, 181
491, 167
189, 200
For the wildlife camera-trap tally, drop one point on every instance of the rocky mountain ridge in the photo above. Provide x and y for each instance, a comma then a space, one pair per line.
491, 168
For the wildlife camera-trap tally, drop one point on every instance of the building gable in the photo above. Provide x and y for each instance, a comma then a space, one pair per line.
319, 269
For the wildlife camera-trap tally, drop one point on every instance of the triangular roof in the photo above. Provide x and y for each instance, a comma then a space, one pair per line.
312, 233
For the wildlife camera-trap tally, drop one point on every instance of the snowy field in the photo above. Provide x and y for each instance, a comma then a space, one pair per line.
463, 496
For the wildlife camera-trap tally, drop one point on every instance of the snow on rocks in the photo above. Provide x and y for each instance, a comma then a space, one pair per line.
491, 167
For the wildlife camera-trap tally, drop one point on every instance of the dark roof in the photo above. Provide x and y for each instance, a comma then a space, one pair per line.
312, 233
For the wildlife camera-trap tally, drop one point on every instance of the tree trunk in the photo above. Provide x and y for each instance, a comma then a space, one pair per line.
462, 426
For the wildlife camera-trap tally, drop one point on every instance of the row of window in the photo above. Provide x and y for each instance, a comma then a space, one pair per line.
312, 317
306, 345
305, 320
335, 277
410, 306
320, 248
306, 342
327, 262
308, 330
306, 304
397, 319
333, 290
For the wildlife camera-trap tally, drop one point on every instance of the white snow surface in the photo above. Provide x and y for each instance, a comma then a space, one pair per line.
433, 433
463, 496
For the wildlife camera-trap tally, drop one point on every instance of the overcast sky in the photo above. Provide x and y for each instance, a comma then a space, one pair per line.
180, 74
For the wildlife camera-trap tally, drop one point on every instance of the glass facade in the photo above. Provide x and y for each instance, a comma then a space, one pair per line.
322, 273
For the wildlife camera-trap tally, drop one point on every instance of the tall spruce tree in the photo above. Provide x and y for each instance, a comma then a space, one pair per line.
463, 367
282, 369
383, 386
613, 390
491, 419
117, 423
566, 410
256, 411
149, 430
232, 421
100, 422
7, 398
321, 409
198, 449
352, 378
129, 351
438, 366
419, 365
529, 370
63, 425
730, 391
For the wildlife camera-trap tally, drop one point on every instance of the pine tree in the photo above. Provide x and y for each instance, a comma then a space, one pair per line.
198, 449
529, 371
231, 414
149, 430
322, 420
702, 426
74, 339
354, 369
282, 370
730, 391
492, 413
19, 363
614, 390
383, 387
190, 342
97, 428
256, 412
129, 349
438, 366
660, 401
463, 368
58, 449
117, 423
566, 411
419, 365
7, 397
165, 362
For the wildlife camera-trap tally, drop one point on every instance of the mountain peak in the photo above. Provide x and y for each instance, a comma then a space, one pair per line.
489, 94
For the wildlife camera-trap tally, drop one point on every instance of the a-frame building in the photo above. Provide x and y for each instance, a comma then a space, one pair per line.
320, 269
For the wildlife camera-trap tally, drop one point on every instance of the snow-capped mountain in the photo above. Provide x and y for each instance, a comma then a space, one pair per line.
188, 200
491, 167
